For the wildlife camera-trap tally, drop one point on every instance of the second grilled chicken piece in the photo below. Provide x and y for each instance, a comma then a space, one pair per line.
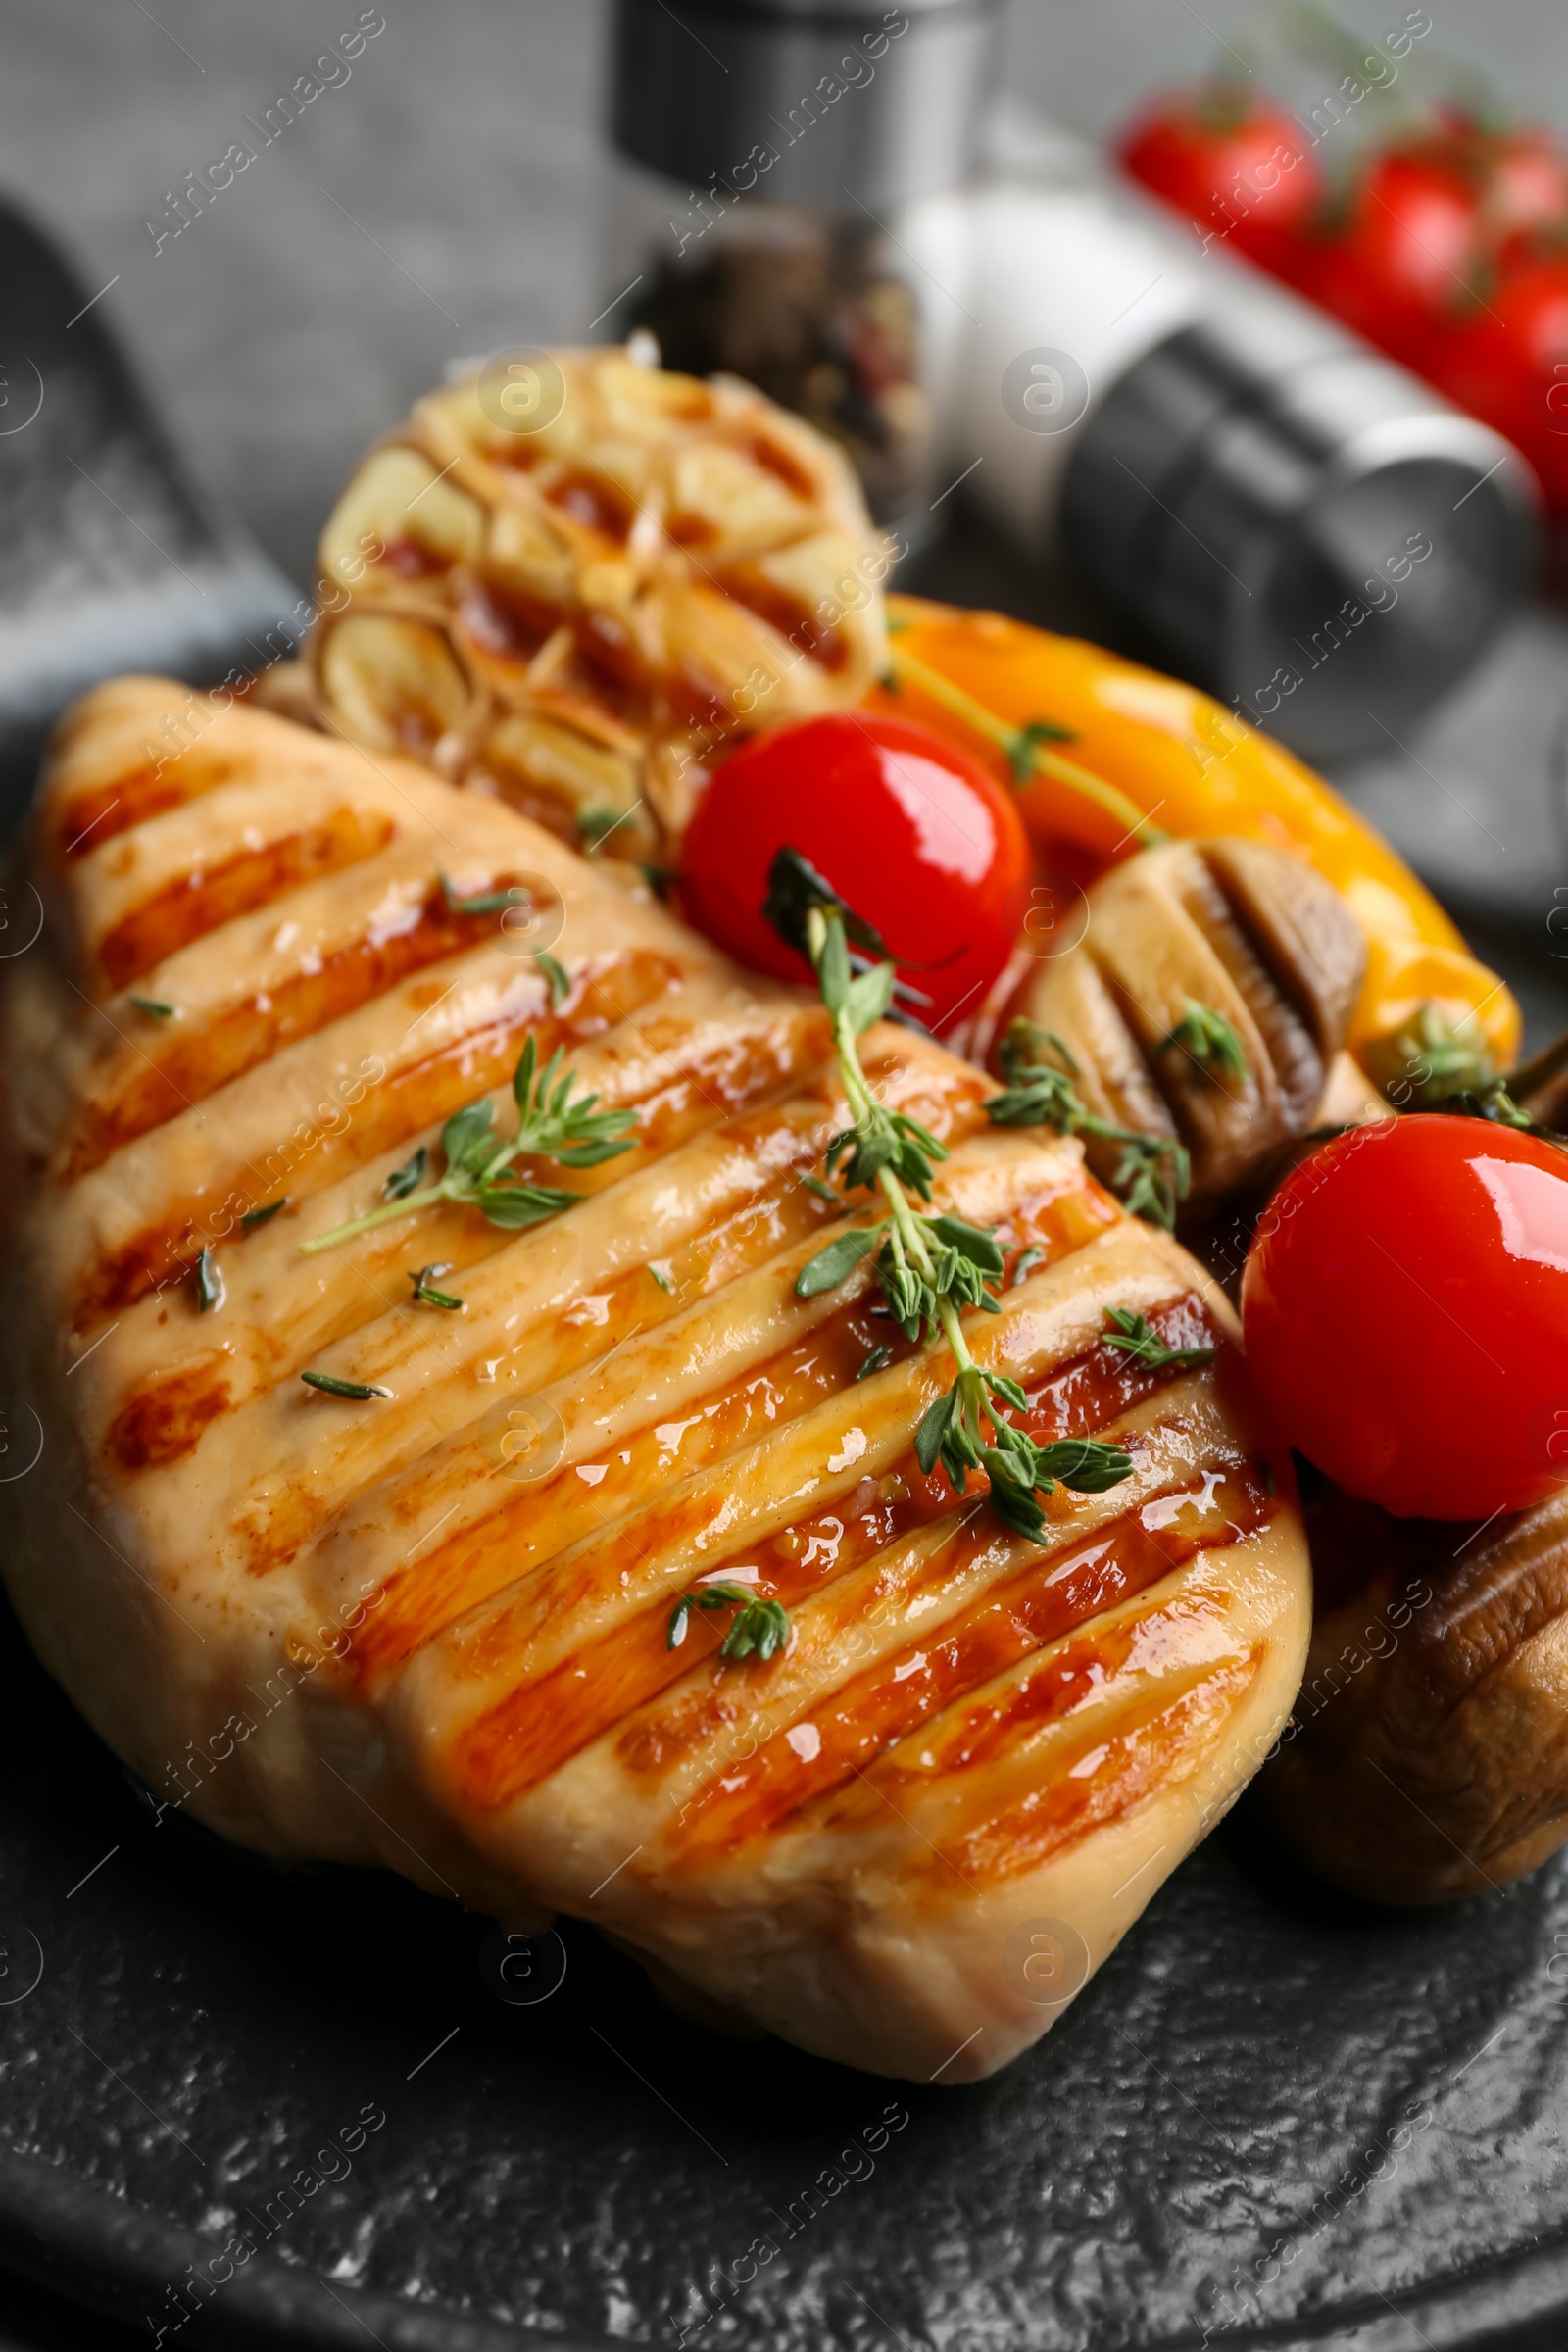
1228, 929
424, 1619
1427, 1757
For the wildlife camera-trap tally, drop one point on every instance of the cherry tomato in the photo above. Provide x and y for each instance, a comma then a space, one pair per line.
910, 832
1508, 365
1404, 1305
1523, 172
1408, 253
1240, 164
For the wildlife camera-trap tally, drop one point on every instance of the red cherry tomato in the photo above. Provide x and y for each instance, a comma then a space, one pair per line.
1405, 1305
1240, 164
1508, 365
910, 832
1523, 172
1409, 252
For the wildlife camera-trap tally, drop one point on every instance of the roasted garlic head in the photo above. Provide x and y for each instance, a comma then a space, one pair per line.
574, 581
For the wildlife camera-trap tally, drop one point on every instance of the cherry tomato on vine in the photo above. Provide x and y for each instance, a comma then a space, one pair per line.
910, 832
1522, 171
1405, 261
1405, 1305
1241, 165
1508, 364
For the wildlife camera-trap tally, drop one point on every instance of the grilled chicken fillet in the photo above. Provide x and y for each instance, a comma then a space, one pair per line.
428, 1627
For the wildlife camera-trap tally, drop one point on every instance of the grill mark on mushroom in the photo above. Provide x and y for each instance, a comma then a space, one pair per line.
1293, 1050
1243, 929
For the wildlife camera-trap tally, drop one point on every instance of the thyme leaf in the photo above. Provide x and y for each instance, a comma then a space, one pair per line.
357, 1392
557, 978
263, 1215
486, 901
1142, 1344
407, 1178
422, 1278
210, 1289
760, 1629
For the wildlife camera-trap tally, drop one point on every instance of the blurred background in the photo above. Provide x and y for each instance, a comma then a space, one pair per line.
452, 192
459, 175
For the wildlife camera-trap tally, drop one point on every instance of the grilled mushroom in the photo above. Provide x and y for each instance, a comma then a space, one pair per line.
1207, 1002
1427, 1754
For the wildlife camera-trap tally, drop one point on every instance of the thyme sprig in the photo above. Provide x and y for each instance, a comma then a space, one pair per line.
760, 1629
1152, 1172
929, 1268
1142, 1343
552, 1124
795, 887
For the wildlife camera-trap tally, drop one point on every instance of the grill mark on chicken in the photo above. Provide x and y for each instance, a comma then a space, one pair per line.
165, 1420
91, 818
308, 1304
436, 1370
530, 1526
158, 1084
1029, 1615
1160, 1739
526, 1529
541, 1721
162, 1253
190, 907
737, 1256
711, 1518
275, 1532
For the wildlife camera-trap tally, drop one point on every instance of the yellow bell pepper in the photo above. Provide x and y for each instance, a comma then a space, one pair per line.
1108, 755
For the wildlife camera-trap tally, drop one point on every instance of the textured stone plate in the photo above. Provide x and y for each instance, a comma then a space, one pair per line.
1272, 2118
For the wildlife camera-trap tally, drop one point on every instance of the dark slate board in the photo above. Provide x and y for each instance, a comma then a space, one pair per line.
1272, 2113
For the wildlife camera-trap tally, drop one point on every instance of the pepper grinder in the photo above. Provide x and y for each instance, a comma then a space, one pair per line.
788, 207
